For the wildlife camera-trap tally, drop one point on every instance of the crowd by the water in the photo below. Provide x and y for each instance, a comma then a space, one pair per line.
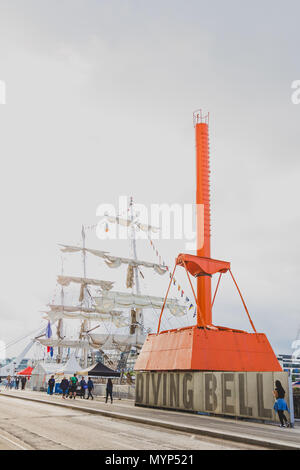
68, 388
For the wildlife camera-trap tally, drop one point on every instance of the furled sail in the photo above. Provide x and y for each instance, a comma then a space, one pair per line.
79, 312
64, 343
110, 300
111, 341
119, 321
114, 261
84, 281
77, 308
75, 249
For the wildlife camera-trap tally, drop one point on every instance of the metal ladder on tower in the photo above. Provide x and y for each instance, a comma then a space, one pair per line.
122, 363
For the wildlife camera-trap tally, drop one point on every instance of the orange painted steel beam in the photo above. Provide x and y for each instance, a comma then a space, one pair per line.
203, 233
243, 301
212, 304
164, 304
200, 319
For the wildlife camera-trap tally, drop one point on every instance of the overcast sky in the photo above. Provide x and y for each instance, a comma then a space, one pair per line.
99, 102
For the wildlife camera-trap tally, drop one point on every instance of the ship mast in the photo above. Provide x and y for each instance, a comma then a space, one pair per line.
60, 321
139, 313
85, 323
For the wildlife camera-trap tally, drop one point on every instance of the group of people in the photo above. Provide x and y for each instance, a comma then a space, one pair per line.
14, 382
72, 387
69, 387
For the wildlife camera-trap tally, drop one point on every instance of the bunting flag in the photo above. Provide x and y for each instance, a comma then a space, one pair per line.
48, 330
48, 335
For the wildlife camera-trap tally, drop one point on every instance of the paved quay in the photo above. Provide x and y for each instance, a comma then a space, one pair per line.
27, 424
223, 429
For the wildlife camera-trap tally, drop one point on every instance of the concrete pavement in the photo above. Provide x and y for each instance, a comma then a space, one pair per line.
9, 442
42, 426
248, 433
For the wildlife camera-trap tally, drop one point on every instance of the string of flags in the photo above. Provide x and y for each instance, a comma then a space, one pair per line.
190, 305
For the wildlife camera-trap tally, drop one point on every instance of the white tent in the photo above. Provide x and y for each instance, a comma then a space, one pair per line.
71, 366
41, 374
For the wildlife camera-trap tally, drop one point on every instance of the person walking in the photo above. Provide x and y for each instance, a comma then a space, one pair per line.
23, 382
73, 386
109, 390
280, 404
51, 383
90, 387
83, 387
12, 383
64, 385
17, 383
8, 381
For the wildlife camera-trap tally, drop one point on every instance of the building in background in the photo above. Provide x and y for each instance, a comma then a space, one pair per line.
288, 363
23, 364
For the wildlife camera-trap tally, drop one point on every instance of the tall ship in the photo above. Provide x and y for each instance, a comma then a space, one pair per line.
103, 322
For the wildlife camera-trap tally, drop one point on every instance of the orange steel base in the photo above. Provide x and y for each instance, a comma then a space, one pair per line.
194, 348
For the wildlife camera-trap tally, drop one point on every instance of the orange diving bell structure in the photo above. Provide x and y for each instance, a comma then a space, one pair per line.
204, 346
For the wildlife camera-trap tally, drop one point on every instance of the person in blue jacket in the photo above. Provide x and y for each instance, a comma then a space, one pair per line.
280, 404
51, 383
83, 387
64, 385
90, 387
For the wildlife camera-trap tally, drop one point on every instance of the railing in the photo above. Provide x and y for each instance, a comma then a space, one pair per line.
199, 117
